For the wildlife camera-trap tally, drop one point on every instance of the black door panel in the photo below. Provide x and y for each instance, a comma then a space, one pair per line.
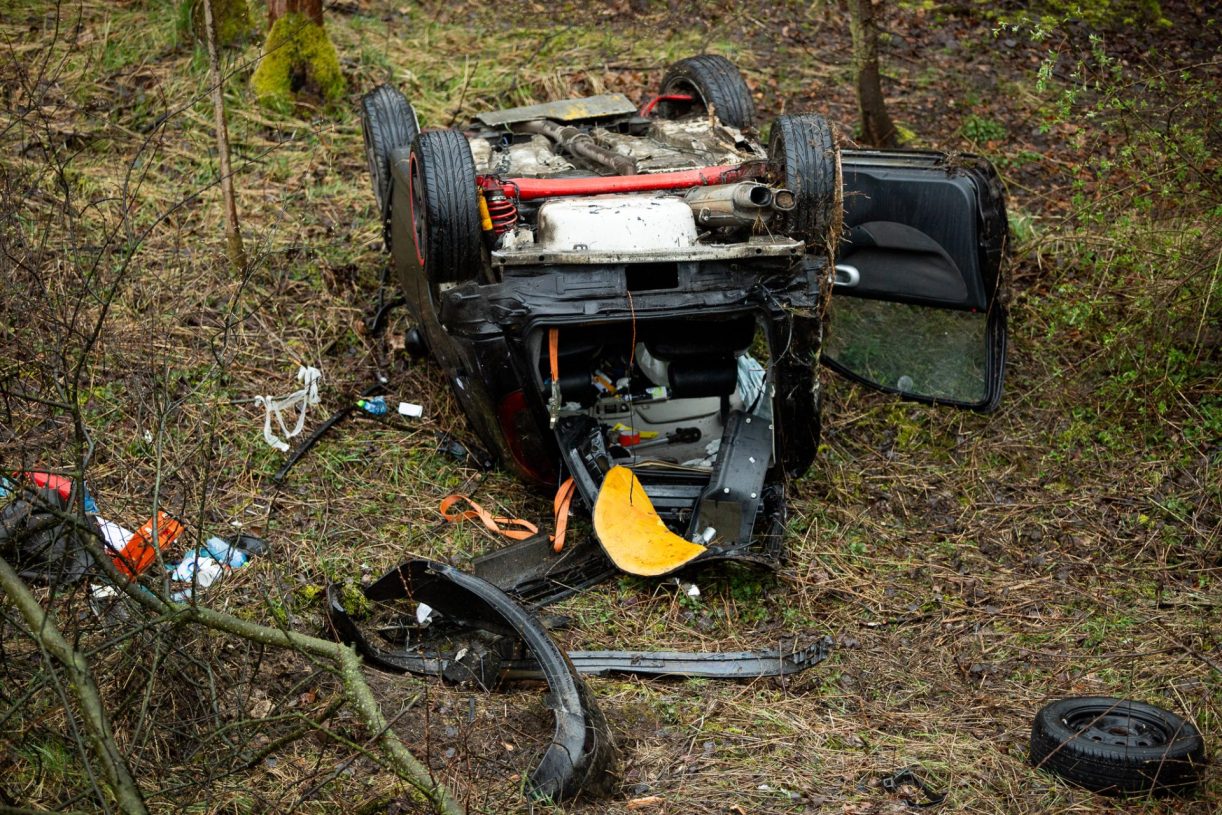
924, 233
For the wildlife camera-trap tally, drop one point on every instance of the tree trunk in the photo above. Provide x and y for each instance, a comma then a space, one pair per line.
310, 9
299, 64
233, 231
877, 129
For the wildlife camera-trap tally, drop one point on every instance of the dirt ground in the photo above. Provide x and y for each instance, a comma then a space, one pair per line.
968, 568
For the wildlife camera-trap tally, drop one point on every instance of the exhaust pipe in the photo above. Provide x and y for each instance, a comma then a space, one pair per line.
580, 144
741, 204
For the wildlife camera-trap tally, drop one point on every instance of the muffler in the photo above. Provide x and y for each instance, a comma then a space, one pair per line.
733, 205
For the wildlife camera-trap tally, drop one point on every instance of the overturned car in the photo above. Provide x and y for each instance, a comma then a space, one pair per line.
634, 297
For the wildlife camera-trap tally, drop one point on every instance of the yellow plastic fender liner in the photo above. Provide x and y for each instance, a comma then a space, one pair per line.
630, 531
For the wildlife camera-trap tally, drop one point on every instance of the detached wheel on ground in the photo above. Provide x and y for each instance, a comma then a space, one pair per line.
804, 158
715, 84
444, 216
388, 123
1117, 746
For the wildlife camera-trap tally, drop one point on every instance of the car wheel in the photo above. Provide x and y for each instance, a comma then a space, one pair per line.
715, 85
387, 122
1117, 746
804, 157
444, 216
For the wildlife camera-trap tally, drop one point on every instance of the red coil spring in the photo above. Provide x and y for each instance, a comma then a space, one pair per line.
503, 212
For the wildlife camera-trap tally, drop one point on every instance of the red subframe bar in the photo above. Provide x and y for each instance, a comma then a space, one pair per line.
666, 97
528, 189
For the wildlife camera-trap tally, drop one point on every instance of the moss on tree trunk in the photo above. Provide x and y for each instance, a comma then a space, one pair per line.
298, 61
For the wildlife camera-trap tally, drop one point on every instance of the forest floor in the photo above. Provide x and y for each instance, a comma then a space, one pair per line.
969, 568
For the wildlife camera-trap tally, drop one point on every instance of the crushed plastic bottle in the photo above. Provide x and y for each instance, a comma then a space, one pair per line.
223, 552
200, 568
374, 406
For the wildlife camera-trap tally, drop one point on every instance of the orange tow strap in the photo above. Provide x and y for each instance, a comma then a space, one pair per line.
553, 352
560, 508
524, 530
506, 526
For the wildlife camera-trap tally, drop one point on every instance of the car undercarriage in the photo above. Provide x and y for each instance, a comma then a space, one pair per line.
633, 299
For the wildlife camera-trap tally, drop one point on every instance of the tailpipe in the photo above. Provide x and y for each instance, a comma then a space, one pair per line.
732, 205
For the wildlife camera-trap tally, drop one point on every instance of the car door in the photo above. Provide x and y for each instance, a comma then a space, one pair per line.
915, 307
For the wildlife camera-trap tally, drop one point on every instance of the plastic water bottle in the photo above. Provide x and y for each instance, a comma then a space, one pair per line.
375, 406
223, 553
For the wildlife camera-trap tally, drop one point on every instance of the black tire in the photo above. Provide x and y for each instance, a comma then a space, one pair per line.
1117, 746
804, 157
444, 210
715, 83
388, 122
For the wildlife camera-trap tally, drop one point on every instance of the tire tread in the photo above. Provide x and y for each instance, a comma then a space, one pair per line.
388, 123
452, 216
811, 169
721, 84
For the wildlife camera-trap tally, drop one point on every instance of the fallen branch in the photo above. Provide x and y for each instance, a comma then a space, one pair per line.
46, 633
356, 689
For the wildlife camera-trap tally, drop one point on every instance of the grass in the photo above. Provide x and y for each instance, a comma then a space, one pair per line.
969, 568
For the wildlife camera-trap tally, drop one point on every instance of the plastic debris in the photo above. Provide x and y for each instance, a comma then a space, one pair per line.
140, 549
202, 567
39, 542
277, 405
47, 481
374, 406
411, 410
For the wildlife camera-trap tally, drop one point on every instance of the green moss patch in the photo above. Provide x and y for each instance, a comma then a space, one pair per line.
299, 61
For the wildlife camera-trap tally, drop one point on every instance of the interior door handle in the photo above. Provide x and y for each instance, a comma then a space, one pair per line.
846, 275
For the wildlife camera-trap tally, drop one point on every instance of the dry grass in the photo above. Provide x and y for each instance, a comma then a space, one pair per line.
970, 568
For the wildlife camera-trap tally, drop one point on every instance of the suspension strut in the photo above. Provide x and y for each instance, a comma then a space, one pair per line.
502, 211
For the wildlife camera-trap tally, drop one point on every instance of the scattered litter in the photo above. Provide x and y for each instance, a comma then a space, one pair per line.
644, 803
374, 406
410, 410
253, 546
38, 541
114, 537
197, 570
139, 550
202, 567
319, 432
307, 395
49, 481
